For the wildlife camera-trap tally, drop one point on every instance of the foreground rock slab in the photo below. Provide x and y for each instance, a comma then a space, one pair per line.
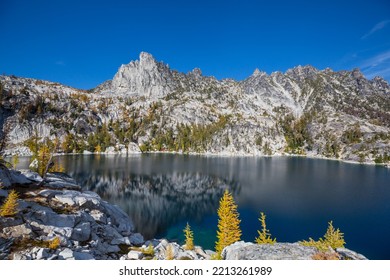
57, 208
281, 251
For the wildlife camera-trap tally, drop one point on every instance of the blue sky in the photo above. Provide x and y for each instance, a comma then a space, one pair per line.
83, 43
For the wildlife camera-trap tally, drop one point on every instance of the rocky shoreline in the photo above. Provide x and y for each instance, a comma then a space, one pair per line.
88, 228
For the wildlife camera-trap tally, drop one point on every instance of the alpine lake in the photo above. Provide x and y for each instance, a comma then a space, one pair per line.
162, 192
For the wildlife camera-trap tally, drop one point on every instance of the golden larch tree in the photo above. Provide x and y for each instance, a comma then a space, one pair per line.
228, 223
9, 208
189, 235
264, 235
44, 158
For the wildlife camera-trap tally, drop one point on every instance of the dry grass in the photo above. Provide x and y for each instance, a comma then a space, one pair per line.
333, 238
169, 253
326, 256
26, 243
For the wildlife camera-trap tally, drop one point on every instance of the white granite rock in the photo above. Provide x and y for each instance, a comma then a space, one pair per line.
42, 254
134, 255
133, 148
66, 254
279, 251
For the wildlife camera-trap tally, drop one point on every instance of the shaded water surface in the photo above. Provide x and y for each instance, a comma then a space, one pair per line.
162, 192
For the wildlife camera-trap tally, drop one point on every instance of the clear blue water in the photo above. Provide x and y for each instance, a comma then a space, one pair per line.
162, 192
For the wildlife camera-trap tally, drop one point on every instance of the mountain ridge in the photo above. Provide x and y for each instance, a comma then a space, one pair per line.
303, 111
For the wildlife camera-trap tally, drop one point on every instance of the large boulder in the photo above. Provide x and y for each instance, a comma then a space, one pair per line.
119, 218
278, 251
23, 230
349, 254
82, 232
133, 148
86, 199
9, 177
57, 180
283, 251
134, 255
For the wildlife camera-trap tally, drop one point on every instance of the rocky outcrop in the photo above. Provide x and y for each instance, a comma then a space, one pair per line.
278, 251
284, 251
87, 227
145, 77
307, 111
163, 250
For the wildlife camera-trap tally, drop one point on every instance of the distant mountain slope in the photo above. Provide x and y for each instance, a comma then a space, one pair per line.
303, 111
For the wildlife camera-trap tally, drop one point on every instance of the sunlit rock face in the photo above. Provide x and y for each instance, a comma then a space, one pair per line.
332, 114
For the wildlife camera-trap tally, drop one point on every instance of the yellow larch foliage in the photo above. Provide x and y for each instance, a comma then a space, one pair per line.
15, 161
189, 235
54, 243
8, 209
57, 167
264, 235
228, 223
43, 157
333, 238
169, 253
98, 149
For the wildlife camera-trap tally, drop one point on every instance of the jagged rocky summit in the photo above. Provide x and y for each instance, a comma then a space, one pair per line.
147, 106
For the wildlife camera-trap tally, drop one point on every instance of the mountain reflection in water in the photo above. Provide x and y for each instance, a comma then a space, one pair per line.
155, 202
161, 192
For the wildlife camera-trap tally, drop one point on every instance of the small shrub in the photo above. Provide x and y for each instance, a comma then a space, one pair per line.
264, 235
352, 135
15, 161
326, 256
216, 257
98, 149
8, 209
54, 243
57, 167
149, 251
189, 235
320, 245
169, 253
333, 238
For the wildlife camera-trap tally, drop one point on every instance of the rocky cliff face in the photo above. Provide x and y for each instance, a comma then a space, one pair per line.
302, 111
145, 77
